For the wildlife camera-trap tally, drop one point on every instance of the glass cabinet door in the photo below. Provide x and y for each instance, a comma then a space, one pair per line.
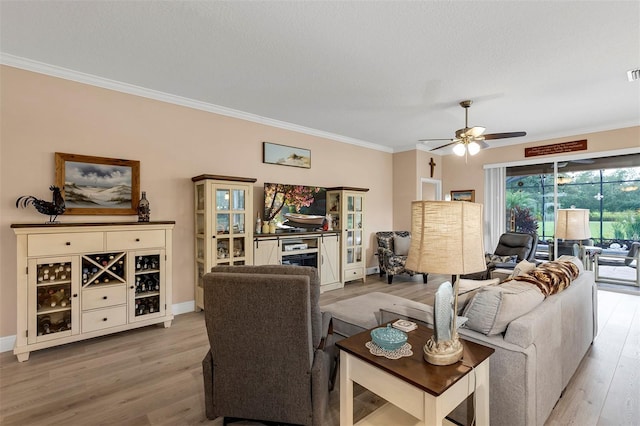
230, 224
148, 285
53, 299
354, 241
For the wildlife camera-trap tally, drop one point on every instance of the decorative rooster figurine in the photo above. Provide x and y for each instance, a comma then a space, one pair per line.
53, 209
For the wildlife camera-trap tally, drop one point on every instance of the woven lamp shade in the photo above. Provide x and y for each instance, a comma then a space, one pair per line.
573, 224
446, 237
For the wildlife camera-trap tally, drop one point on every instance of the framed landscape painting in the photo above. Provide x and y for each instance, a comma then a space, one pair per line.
465, 195
98, 185
272, 153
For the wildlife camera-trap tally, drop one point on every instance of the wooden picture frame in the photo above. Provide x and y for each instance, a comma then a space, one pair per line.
464, 195
283, 155
98, 185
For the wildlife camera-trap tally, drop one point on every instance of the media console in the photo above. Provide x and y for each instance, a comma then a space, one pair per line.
319, 249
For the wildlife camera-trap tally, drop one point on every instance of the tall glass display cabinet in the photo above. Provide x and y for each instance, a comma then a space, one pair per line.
347, 209
223, 225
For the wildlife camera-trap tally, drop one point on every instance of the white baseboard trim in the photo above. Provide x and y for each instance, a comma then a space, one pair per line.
184, 307
373, 270
8, 342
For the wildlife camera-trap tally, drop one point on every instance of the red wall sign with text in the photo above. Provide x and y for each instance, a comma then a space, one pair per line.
556, 148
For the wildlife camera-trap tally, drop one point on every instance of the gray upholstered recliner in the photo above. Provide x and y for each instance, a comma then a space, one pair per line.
272, 355
393, 247
514, 246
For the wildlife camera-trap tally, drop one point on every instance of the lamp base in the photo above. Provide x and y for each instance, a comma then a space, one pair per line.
446, 352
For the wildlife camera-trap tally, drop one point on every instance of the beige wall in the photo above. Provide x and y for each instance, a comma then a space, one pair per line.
42, 115
404, 189
459, 176
409, 167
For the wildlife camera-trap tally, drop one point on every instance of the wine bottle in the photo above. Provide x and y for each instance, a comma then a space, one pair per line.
44, 324
57, 297
60, 326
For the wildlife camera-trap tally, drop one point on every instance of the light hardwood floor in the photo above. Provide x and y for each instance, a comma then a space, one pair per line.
152, 376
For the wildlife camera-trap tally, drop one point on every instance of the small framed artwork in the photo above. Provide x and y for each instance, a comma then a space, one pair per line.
272, 153
465, 195
98, 185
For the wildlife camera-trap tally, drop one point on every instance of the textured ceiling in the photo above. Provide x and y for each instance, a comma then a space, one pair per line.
386, 73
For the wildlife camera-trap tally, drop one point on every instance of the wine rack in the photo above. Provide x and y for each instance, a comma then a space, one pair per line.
104, 268
53, 297
147, 284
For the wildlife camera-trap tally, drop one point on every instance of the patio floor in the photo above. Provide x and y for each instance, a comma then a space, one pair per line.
613, 273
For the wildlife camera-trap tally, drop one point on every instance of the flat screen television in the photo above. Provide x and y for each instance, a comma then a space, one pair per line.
295, 206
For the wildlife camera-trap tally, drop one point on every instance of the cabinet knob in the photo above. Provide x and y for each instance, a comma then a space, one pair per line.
132, 287
104, 319
68, 243
104, 297
137, 240
75, 295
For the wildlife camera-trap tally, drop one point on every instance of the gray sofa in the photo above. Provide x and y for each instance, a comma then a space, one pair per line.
535, 357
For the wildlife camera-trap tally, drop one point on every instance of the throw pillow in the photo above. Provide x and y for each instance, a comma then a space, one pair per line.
466, 285
576, 261
401, 245
494, 307
494, 258
522, 268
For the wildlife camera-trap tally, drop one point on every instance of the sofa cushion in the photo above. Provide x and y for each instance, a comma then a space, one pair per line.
522, 268
494, 307
401, 244
466, 285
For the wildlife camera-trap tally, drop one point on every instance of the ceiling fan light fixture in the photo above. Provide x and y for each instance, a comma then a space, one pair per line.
473, 148
459, 149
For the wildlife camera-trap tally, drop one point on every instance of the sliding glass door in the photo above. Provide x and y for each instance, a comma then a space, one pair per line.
609, 187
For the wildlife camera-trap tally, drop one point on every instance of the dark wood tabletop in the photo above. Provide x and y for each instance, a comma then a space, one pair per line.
434, 379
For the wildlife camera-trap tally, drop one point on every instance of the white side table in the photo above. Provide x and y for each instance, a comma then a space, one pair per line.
418, 393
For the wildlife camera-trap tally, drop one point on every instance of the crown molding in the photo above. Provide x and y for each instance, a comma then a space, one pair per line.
105, 83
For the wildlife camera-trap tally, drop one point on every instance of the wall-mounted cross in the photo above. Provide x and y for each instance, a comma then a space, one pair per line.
433, 166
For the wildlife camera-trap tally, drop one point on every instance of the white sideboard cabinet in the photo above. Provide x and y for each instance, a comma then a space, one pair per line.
83, 280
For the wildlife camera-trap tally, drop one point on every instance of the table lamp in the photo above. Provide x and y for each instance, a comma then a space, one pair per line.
446, 239
573, 224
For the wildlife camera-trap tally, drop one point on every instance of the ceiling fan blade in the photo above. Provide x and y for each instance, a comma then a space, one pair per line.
455, 141
476, 131
483, 144
504, 135
435, 139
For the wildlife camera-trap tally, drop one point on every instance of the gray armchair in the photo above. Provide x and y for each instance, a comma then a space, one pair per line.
272, 356
393, 247
514, 246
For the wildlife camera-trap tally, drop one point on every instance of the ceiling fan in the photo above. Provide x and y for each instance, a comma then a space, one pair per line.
471, 139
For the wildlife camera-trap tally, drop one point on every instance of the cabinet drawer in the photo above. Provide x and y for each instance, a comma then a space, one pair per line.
104, 318
58, 244
133, 240
353, 274
103, 297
